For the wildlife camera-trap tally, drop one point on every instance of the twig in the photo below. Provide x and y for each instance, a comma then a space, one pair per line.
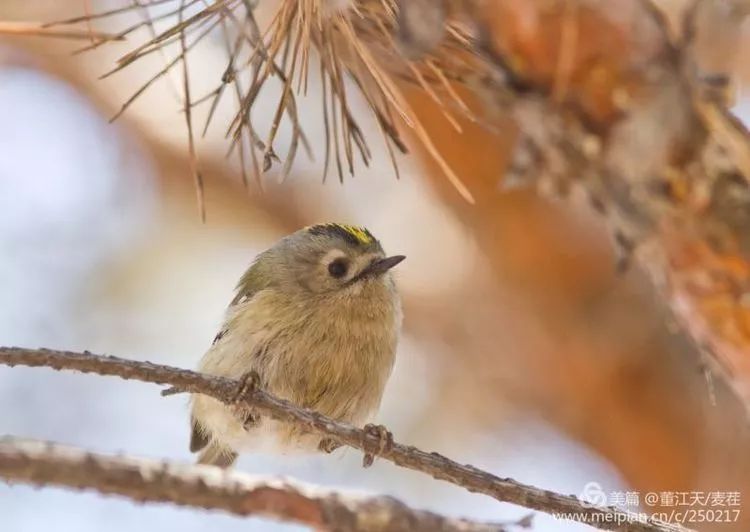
35, 29
43, 463
188, 111
433, 464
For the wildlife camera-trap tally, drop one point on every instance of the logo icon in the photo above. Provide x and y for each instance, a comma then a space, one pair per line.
593, 495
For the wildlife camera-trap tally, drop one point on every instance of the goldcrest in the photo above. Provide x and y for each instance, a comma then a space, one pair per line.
318, 317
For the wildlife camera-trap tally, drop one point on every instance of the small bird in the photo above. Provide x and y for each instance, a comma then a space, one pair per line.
317, 317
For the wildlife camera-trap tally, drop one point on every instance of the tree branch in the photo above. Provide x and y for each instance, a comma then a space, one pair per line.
43, 463
439, 467
648, 138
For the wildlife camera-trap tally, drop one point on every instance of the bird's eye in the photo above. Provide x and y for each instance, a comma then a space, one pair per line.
338, 268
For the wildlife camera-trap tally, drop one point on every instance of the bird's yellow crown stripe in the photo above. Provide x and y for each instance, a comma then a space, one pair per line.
360, 234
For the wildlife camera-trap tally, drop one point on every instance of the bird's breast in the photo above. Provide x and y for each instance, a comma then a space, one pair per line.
334, 357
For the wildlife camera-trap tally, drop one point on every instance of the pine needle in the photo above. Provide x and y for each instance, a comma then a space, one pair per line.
351, 44
35, 29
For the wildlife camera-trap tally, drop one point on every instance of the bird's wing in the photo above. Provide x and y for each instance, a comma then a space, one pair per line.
256, 278
253, 281
214, 455
198, 438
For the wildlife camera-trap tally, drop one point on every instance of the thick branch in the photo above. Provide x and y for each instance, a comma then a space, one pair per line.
142, 480
433, 464
648, 138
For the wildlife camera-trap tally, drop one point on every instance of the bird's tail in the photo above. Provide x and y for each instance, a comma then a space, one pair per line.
217, 456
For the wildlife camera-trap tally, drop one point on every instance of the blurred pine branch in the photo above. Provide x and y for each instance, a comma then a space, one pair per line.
353, 41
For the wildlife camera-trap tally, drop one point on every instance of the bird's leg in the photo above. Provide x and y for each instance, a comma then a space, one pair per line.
249, 382
328, 445
385, 442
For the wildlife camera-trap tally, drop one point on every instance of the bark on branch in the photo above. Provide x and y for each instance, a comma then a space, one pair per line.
43, 463
646, 134
433, 464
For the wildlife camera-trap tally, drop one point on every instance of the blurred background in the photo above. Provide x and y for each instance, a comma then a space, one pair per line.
524, 352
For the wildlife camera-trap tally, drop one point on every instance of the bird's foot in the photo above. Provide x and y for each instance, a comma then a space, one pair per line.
249, 382
328, 445
385, 442
248, 418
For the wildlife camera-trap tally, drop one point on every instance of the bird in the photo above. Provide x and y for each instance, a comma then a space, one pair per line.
316, 319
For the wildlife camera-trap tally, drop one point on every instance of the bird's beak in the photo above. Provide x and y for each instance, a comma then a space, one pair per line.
380, 266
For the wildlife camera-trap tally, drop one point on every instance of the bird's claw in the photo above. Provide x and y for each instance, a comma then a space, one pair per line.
249, 382
328, 445
249, 419
385, 442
